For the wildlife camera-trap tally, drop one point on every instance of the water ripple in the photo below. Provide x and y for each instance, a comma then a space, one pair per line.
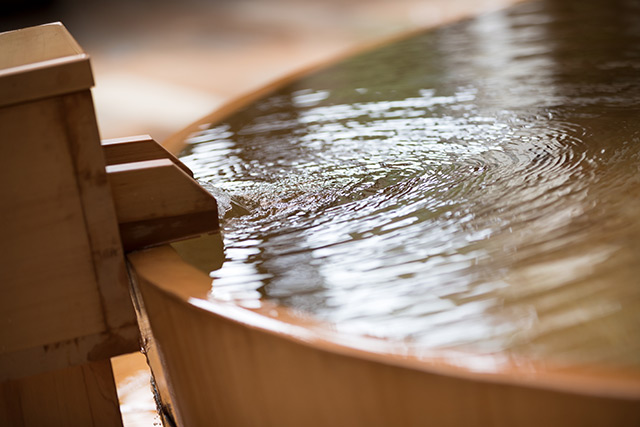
475, 187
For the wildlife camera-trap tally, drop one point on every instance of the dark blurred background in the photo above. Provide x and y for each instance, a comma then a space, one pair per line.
162, 64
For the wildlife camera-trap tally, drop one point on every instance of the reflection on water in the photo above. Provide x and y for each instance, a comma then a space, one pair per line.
476, 187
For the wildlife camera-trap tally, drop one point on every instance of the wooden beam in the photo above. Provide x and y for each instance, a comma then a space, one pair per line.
65, 305
40, 62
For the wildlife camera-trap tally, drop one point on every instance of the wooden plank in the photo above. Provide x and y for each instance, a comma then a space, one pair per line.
38, 44
47, 280
137, 149
78, 396
101, 226
161, 389
157, 202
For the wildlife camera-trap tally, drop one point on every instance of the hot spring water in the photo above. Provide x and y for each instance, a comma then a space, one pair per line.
476, 187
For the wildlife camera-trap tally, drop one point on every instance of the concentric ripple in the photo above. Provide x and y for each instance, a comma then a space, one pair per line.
476, 187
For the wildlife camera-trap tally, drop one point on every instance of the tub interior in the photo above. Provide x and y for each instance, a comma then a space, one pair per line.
474, 188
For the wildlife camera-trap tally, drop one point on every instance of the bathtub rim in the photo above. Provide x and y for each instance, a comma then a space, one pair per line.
167, 271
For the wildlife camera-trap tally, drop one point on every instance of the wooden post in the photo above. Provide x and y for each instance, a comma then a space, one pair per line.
64, 283
65, 306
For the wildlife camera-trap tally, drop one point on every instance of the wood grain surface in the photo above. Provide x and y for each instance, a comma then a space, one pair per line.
65, 306
157, 202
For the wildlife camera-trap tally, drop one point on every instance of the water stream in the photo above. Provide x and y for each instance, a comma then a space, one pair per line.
475, 187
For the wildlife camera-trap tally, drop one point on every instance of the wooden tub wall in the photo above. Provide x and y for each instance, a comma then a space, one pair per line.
228, 365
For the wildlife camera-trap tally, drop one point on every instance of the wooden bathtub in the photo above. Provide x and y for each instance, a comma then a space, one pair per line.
219, 363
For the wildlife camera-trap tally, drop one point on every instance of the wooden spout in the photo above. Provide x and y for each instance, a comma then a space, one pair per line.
156, 199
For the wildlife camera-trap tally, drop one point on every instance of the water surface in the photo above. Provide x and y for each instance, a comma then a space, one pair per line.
476, 187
